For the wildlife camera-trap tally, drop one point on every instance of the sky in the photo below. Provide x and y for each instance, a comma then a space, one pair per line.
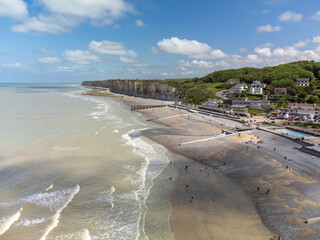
77, 40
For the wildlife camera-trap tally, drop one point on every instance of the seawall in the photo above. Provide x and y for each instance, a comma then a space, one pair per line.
138, 88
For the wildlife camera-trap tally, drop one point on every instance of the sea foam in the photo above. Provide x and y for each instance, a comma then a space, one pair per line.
7, 222
56, 216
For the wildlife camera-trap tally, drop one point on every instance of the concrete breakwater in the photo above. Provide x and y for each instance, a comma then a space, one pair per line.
139, 88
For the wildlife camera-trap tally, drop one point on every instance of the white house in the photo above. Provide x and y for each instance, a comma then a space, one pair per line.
236, 102
239, 88
302, 109
256, 88
302, 82
211, 103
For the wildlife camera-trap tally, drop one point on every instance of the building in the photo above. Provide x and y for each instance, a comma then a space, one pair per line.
280, 91
238, 89
211, 103
233, 81
238, 102
302, 82
256, 88
302, 109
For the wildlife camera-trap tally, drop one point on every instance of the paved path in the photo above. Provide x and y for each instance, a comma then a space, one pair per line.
214, 137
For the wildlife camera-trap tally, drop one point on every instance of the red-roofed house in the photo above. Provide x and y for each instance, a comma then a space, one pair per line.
233, 81
280, 91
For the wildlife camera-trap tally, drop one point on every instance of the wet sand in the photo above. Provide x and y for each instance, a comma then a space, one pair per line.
227, 204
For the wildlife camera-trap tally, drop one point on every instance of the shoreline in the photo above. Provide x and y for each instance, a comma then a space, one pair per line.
283, 211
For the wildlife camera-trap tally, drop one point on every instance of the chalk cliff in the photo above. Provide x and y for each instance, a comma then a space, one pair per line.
138, 88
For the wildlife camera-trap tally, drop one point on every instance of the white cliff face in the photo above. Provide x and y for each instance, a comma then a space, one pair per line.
149, 89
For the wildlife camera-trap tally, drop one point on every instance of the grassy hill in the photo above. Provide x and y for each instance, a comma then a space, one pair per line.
199, 90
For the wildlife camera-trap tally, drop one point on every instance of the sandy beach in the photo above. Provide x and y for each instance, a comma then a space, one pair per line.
240, 191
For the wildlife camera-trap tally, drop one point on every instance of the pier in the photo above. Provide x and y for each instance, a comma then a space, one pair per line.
140, 107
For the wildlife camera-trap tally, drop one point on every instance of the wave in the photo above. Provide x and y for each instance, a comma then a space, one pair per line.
97, 132
27, 222
56, 216
66, 148
105, 196
48, 188
115, 131
86, 235
9, 221
152, 166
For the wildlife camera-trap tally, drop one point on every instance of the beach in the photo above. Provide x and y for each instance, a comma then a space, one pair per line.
259, 189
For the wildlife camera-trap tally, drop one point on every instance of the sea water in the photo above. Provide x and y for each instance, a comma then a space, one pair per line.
74, 166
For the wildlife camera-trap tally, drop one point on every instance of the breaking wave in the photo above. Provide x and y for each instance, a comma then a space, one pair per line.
7, 222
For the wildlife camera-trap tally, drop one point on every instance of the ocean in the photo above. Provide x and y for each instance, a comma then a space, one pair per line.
76, 167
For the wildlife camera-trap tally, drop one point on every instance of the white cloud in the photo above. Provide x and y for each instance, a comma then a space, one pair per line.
266, 11
243, 49
268, 28
263, 51
154, 50
68, 69
184, 65
111, 48
57, 16
140, 23
133, 62
301, 44
316, 39
190, 48
316, 16
267, 45
16, 9
92, 9
264, 56
16, 65
48, 24
43, 51
49, 60
81, 57
290, 16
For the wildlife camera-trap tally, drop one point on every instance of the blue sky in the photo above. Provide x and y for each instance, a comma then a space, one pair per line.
77, 40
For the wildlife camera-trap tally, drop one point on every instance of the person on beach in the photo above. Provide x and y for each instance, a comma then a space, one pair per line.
187, 167
258, 189
191, 200
187, 186
170, 178
274, 149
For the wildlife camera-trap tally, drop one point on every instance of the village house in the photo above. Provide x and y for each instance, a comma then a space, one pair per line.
302, 82
233, 81
238, 89
244, 102
302, 109
280, 91
211, 103
256, 87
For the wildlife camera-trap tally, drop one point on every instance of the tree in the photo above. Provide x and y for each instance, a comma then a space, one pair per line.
302, 95
311, 99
